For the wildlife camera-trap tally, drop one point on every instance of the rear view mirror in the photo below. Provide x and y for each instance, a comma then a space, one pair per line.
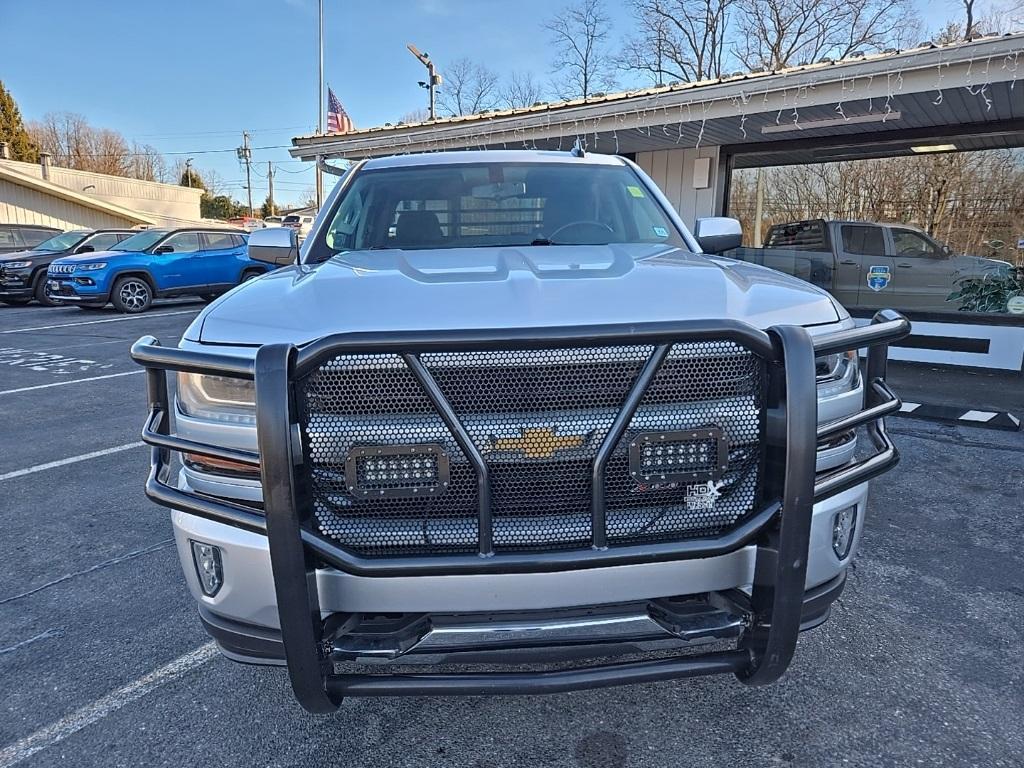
275, 245
717, 234
84, 249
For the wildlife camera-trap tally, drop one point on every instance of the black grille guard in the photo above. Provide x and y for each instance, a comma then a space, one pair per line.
780, 528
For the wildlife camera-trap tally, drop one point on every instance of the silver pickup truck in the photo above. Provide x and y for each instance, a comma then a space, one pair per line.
872, 266
503, 410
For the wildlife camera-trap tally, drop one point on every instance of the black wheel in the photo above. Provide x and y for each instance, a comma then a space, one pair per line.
131, 295
39, 291
15, 302
249, 274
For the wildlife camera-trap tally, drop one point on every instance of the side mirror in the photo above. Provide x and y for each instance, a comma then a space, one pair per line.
717, 234
275, 245
84, 249
947, 251
165, 249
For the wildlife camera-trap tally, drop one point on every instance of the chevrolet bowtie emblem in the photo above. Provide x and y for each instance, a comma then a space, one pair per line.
538, 442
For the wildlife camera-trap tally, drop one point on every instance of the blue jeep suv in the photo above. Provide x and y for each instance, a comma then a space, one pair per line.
155, 263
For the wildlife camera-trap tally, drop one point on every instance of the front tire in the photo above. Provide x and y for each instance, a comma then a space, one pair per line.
40, 292
131, 295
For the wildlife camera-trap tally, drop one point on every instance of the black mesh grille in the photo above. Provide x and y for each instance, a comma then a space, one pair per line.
538, 418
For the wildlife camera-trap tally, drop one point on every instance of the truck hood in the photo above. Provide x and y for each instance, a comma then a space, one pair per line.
505, 287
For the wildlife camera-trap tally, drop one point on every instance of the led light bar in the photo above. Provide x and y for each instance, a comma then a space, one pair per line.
689, 455
397, 471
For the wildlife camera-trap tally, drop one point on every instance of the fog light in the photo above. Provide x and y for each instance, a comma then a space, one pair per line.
843, 526
397, 470
209, 567
691, 455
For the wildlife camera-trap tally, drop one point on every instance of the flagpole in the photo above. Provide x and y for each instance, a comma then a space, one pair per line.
320, 110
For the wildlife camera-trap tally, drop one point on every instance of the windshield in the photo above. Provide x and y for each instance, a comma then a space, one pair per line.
495, 204
63, 241
291, 219
141, 241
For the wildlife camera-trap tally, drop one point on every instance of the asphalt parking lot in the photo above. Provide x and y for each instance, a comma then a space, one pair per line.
103, 661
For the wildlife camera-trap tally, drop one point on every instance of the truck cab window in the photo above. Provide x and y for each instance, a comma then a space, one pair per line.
864, 240
907, 242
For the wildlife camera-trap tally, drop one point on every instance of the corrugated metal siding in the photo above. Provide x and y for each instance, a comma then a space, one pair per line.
21, 205
672, 171
173, 203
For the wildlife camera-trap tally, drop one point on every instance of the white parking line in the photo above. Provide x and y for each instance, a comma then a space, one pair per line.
108, 320
71, 724
69, 460
72, 381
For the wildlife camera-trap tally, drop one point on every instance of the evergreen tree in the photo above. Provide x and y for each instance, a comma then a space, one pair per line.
12, 130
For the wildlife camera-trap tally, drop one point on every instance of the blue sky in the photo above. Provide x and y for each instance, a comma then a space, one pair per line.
188, 76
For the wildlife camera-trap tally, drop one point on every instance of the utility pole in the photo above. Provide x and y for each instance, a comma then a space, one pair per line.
320, 110
245, 155
270, 183
758, 207
188, 172
433, 79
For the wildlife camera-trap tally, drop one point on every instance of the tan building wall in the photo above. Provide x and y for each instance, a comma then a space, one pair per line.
689, 177
22, 205
168, 204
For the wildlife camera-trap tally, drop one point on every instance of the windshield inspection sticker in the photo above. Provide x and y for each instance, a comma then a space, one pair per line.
660, 231
878, 277
635, 191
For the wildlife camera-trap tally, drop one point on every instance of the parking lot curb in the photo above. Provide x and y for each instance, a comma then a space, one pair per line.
966, 417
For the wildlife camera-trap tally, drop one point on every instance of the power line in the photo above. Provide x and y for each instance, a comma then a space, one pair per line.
75, 155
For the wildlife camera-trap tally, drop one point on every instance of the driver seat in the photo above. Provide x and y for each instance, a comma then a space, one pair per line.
418, 229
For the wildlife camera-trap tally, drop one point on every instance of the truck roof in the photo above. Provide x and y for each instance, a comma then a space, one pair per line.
490, 156
850, 221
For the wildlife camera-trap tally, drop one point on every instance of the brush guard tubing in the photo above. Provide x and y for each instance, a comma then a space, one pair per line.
780, 530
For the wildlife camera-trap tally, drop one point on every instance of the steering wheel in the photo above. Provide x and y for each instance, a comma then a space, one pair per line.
596, 226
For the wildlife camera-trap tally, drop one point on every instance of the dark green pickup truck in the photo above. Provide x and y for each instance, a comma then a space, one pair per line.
870, 265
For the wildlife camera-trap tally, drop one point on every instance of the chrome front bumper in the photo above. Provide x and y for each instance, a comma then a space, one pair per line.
248, 592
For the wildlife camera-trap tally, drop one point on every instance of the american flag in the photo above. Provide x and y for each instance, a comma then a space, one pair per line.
338, 120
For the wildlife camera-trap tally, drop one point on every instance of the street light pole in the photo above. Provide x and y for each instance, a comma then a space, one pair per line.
320, 109
433, 79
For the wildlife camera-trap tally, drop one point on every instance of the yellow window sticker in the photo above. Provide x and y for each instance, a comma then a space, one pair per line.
635, 191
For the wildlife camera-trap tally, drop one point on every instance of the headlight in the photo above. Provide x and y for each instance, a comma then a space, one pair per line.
837, 373
93, 266
17, 264
217, 398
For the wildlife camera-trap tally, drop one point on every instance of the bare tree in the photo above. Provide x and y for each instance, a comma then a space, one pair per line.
679, 39
582, 60
73, 143
521, 90
968, 18
773, 34
966, 199
147, 163
468, 88
420, 115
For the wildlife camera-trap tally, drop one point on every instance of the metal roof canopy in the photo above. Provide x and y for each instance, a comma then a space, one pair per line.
868, 106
